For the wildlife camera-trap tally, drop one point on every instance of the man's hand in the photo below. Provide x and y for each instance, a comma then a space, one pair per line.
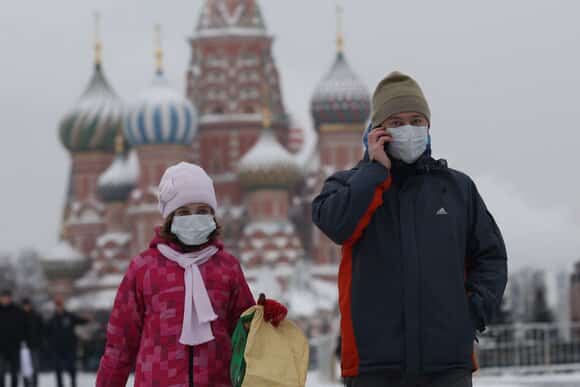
378, 137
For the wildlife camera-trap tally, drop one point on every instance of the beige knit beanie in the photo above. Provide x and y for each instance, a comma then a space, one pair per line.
398, 93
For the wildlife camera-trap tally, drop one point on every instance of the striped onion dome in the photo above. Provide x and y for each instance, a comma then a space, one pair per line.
92, 123
161, 115
268, 164
341, 97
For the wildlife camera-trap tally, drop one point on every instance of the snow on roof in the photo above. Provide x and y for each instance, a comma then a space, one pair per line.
63, 251
231, 31
93, 280
267, 154
119, 238
98, 300
122, 171
86, 216
145, 208
269, 228
230, 118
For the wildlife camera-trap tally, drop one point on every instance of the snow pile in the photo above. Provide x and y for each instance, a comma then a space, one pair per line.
306, 296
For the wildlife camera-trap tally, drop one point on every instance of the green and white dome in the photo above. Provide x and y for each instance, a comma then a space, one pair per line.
91, 125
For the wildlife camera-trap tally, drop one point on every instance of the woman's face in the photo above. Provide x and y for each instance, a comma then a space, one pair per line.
194, 208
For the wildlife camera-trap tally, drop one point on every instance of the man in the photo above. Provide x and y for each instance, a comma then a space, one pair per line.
34, 332
62, 341
423, 264
11, 336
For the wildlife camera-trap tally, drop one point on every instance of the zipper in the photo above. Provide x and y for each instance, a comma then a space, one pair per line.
191, 366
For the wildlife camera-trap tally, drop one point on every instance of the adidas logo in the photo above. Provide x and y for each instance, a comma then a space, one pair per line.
442, 211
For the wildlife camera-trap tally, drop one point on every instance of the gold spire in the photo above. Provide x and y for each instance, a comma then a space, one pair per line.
158, 50
339, 34
98, 45
119, 143
62, 232
266, 113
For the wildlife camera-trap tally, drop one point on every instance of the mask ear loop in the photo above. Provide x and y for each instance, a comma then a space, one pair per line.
429, 137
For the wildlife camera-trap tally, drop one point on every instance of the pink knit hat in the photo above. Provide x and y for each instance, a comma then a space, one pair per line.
182, 184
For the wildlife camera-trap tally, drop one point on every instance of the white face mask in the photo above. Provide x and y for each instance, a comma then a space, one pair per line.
193, 230
409, 142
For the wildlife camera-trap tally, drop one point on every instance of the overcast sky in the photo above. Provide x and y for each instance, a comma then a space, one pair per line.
502, 78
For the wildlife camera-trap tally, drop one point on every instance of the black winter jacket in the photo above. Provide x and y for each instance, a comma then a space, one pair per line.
12, 329
423, 266
34, 329
61, 332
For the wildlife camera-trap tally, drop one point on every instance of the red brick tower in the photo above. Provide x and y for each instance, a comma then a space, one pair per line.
160, 126
115, 185
340, 108
269, 241
88, 131
230, 62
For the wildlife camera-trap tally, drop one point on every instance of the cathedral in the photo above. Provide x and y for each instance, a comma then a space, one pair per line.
233, 122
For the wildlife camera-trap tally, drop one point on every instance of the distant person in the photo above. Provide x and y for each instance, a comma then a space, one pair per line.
424, 263
34, 338
11, 336
181, 298
62, 341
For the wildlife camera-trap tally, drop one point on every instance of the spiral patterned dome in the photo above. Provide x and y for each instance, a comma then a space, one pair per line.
161, 116
341, 97
92, 123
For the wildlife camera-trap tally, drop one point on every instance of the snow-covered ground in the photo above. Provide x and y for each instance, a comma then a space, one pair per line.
566, 380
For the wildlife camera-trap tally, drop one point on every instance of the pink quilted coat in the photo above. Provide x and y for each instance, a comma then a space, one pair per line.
145, 324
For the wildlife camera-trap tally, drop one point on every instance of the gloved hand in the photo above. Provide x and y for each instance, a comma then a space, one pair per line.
274, 312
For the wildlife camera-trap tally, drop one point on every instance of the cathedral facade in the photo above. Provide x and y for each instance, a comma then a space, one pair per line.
232, 121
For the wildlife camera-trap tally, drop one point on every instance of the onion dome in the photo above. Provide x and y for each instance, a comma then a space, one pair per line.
268, 164
341, 97
161, 115
92, 123
63, 261
117, 182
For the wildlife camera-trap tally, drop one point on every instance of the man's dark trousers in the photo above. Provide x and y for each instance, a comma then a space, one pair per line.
9, 364
65, 361
454, 378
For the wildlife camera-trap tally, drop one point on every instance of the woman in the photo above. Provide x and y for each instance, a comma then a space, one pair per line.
180, 300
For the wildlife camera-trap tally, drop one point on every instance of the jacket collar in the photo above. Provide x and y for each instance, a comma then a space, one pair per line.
425, 164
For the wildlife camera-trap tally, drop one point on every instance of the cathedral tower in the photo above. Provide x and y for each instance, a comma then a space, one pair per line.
230, 62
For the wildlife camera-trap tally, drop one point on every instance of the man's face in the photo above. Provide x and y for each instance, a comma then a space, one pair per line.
27, 307
5, 300
402, 119
59, 305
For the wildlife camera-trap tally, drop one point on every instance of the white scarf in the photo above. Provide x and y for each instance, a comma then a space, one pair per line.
198, 311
